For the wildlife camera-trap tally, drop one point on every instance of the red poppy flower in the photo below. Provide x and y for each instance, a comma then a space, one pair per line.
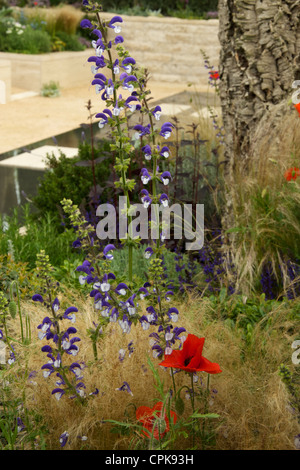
292, 174
154, 420
190, 358
297, 106
214, 74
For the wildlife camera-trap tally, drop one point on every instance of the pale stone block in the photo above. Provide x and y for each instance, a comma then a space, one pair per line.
36, 160
5, 81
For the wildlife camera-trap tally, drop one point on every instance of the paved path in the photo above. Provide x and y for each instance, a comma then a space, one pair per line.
31, 119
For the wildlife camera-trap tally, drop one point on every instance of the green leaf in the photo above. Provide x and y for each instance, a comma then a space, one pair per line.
235, 229
222, 294
12, 307
160, 384
179, 406
205, 416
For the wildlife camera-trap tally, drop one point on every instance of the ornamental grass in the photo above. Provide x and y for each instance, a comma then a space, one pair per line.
252, 402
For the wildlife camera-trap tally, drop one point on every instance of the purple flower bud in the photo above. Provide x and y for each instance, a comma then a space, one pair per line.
86, 23
118, 39
98, 33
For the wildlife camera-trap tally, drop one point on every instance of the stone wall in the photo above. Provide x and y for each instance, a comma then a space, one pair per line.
168, 47
31, 72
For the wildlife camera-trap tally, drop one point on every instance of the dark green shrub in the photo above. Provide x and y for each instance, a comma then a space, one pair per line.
72, 178
71, 41
165, 7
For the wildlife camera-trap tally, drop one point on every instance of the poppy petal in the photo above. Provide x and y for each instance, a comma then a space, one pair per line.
207, 366
192, 346
174, 360
143, 412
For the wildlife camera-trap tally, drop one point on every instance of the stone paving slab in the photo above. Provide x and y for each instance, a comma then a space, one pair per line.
36, 159
36, 118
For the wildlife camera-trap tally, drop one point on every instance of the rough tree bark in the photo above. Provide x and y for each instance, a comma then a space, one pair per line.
259, 60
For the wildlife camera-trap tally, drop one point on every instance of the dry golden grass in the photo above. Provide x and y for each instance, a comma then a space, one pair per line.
251, 400
62, 18
265, 211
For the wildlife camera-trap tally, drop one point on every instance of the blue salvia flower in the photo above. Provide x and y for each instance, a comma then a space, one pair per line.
121, 288
129, 103
156, 112
125, 324
63, 439
166, 130
145, 176
125, 388
147, 201
127, 64
146, 149
166, 177
164, 200
148, 252
114, 24
58, 393
20, 425
107, 250
165, 152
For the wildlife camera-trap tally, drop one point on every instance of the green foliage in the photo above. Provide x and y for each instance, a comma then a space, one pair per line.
37, 33
50, 89
40, 233
179, 8
72, 178
70, 41
26, 41
11, 272
265, 232
20, 429
291, 380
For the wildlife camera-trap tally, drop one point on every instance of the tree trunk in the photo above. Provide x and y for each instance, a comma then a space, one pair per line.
259, 60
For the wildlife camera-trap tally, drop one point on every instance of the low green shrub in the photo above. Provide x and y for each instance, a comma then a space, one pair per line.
50, 89
43, 232
72, 178
71, 41
15, 38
